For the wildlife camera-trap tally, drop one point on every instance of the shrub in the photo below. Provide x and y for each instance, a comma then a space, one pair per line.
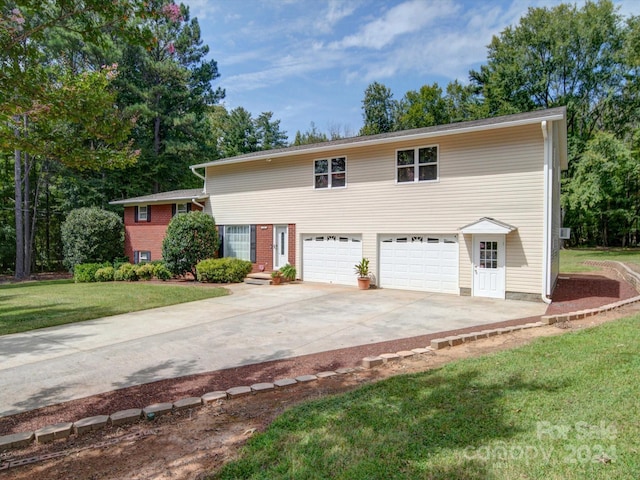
190, 238
161, 272
144, 271
288, 272
127, 272
91, 235
223, 270
104, 274
86, 272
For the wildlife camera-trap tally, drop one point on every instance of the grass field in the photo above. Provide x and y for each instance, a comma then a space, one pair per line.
27, 306
571, 260
561, 408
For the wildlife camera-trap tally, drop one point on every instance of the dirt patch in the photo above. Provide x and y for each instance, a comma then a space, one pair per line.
194, 441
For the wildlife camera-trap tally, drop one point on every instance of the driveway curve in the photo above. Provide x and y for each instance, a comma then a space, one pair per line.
251, 325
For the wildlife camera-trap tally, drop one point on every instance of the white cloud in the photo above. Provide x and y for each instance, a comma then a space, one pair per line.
201, 8
408, 17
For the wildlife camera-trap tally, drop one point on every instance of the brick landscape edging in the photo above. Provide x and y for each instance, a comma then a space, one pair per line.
99, 422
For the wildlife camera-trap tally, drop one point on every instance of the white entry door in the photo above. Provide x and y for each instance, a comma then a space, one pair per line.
280, 246
488, 266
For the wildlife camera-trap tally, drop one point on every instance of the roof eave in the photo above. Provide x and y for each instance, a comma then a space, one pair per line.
455, 129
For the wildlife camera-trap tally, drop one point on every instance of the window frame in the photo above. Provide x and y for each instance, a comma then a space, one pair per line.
186, 208
147, 213
415, 166
251, 239
330, 173
137, 256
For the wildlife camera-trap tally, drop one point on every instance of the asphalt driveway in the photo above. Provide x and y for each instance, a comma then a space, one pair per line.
253, 324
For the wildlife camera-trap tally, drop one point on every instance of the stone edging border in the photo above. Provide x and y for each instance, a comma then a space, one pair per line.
151, 412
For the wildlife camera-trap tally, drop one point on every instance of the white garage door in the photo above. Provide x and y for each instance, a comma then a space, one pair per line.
331, 258
419, 262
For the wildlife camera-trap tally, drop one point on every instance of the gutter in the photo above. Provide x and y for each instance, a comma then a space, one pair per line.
193, 200
546, 257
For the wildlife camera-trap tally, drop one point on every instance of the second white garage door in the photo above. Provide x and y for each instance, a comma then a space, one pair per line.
330, 258
419, 262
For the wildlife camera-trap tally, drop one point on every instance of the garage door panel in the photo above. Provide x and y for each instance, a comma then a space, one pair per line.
419, 262
330, 258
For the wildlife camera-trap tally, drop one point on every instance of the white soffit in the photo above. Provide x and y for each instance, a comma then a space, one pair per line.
487, 226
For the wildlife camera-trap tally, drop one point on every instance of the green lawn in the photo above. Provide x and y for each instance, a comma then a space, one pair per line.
27, 306
561, 408
571, 260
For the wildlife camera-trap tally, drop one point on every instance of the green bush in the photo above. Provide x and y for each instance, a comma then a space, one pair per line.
223, 270
104, 274
190, 238
91, 235
161, 272
144, 271
288, 272
127, 272
86, 272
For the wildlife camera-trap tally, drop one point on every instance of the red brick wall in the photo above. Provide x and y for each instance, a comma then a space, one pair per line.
264, 249
292, 243
147, 236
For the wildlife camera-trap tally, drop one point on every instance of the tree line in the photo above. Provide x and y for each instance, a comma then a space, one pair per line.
107, 100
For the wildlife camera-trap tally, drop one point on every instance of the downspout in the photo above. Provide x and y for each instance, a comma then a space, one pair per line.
204, 180
546, 267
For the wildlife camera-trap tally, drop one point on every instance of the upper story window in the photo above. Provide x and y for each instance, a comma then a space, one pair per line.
417, 164
143, 213
330, 172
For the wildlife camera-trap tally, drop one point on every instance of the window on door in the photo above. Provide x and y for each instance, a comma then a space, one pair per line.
488, 255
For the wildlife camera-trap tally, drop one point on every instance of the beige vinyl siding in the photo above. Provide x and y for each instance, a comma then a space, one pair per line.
496, 173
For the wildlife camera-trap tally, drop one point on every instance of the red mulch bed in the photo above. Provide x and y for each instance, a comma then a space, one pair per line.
574, 292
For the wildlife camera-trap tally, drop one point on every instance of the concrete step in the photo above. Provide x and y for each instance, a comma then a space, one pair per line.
257, 281
259, 278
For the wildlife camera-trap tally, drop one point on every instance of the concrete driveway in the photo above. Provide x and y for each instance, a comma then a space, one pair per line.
253, 324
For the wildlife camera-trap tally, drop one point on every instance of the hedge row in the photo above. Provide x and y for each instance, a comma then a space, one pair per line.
223, 270
105, 272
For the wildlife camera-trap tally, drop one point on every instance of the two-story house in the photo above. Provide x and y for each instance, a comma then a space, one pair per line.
470, 208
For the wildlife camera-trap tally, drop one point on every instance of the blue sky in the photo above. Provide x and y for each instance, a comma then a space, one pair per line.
311, 60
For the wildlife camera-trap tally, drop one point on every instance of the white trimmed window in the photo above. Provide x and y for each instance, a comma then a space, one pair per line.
330, 172
141, 256
417, 164
181, 208
142, 213
237, 241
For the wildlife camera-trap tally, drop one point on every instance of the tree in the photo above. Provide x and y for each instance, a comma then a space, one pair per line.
558, 56
237, 132
169, 88
190, 238
46, 113
602, 198
91, 235
378, 110
268, 132
423, 108
313, 135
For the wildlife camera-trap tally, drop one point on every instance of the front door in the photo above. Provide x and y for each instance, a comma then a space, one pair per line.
488, 266
280, 246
